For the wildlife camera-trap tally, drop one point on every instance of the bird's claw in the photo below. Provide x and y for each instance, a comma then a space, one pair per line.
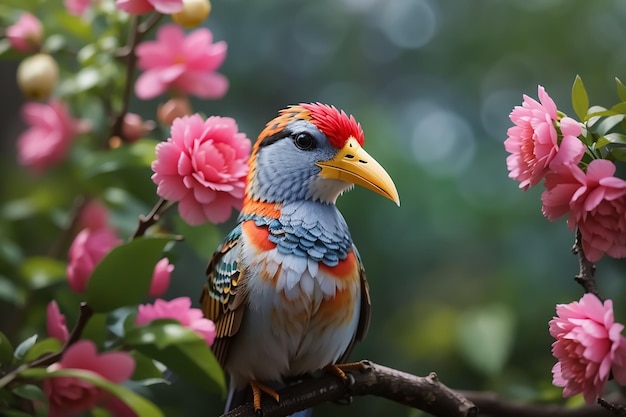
257, 390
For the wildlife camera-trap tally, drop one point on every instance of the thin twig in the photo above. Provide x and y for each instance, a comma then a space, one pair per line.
614, 409
146, 221
491, 404
423, 393
83, 318
48, 359
587, 269
137, 32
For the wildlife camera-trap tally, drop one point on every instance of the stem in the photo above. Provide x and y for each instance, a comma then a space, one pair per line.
48, 359
616, 409
137, 32
587, 269
146, 221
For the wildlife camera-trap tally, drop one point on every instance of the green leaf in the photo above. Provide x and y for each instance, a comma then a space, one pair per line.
24, 347
47, 345
619, 154
621, 89
619, 108
608, 123
202, 239
580, 99
161, 333
30, 392
141, 406
11, 293
137, 154
145, 368
40, 272
616, 138
86, 79
96, 329
54, 43
601, 142
6, 350
486, 338
181, 350
123, 277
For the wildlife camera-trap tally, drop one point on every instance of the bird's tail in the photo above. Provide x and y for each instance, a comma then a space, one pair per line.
237, 397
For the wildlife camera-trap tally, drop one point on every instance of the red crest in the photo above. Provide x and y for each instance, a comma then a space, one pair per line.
335, 124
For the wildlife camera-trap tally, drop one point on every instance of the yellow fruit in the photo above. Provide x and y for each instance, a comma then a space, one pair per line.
194, 12
37, 76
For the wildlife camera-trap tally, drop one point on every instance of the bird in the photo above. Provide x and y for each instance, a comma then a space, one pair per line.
286, 288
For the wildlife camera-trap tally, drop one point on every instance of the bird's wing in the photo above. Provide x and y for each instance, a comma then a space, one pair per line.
364, 310
222, 298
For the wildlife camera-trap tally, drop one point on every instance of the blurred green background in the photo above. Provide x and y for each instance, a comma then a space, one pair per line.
466, 273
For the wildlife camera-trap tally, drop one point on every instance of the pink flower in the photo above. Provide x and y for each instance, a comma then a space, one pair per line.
88, 249
56, 325
145, 6
589, 347
161, 278
533, 141
178, 309
595, 202
94, 215
25, 35
203, 167
51, 131
77, 7
68, 396
185, 64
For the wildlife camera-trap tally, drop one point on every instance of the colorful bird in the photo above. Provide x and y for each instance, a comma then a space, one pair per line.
286, 288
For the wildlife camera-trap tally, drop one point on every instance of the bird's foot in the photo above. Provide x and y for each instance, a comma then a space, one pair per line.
343, 372
257, 390
340, 370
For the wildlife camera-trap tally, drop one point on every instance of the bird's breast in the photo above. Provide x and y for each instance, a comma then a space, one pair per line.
302, 312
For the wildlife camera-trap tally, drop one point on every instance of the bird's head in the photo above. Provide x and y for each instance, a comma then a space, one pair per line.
313, 152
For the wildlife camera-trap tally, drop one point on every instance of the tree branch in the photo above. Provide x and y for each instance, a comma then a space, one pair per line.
423, 393
491, 404
587, 269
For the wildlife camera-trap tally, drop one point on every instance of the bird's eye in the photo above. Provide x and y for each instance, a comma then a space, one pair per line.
304, 141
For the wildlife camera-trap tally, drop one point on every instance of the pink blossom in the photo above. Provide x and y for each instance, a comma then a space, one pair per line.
203, 167
77, 7
94, 215
178, 309
56, 325
145, 6
67, 395
161, 278
51, 131
533, 141
88, 249
186, 64
589, 347
25, 35
595, 202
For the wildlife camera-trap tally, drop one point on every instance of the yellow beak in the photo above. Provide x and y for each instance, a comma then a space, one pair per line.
353, 165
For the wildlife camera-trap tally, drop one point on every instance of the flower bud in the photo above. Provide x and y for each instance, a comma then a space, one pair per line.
26, 34
134, 127
173, 108
37, 76
194, 12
